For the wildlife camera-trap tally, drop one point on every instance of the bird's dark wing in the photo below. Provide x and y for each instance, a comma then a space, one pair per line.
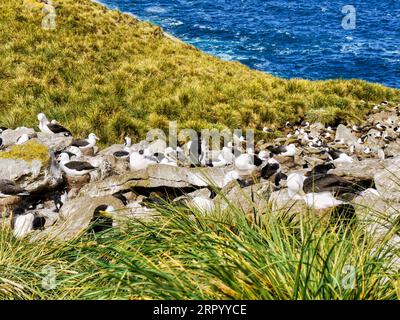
257, 161
278, 150
269, 170
10, 187
38, 223
79, 165
70, 154
327, 182
319, 169
56, 128
79, 143
121, 153
334, 153
278, 177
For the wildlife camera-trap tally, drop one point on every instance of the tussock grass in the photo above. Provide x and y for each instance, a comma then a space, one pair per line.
190, 256
104, 71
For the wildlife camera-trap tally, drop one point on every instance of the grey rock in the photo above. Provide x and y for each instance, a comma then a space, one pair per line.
382, 117
393, 149
8, 204
379, 217
249, 199
315, 129
34, 176
75, 217
387, 179
157, 176
55, 142
111, 149
157, 146
203, 193
11, 136
342, 132
372, 208
313, 161
361, 170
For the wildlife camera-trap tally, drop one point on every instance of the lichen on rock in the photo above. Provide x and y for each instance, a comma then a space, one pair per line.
29, 151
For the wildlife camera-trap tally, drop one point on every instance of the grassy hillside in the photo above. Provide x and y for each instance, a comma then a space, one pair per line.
104, 71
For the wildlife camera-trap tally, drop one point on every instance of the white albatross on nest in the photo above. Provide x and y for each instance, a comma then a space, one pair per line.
47, 127
139, 160
90, 142
74, 168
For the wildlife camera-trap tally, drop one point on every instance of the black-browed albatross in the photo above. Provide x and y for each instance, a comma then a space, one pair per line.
47, 127
74, 168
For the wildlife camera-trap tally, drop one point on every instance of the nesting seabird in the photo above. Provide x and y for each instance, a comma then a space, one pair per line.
320, 169
305, 124
380, 127
387, 138
322, 200
248, 161
339, 157
396, 129
74, 168
326, 182
102, 218
196, 149
286, 151
356, 128
173, 156
22, 139
90, 142
267, 130
272, 167
138, 160
23, 223
124, 154
295, 182
288, 124
73, 152
203, 205
59, 200
9, 188
362, 139
320, 196
46, 126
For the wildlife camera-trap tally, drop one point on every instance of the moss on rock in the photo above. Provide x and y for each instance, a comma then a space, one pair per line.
29, 151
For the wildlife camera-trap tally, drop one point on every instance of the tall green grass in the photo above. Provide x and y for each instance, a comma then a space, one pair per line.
192, 256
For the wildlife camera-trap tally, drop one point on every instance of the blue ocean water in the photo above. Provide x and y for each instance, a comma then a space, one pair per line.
299, 38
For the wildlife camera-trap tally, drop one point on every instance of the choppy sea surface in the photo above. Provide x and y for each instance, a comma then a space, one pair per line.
311, 39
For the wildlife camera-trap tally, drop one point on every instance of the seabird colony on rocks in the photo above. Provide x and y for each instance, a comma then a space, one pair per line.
312, 183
